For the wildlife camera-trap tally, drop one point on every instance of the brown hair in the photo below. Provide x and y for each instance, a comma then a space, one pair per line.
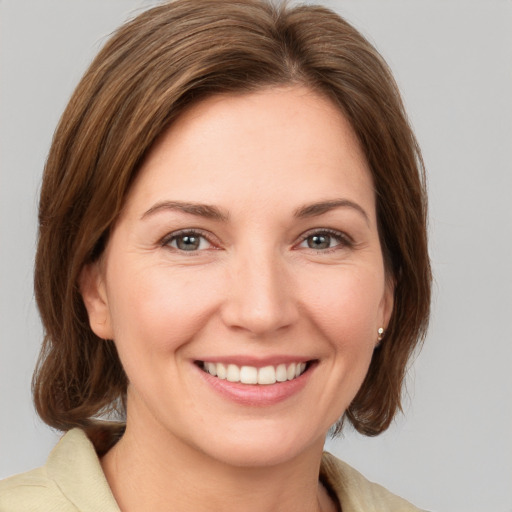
153, 68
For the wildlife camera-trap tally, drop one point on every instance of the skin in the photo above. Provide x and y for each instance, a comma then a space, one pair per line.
255, 287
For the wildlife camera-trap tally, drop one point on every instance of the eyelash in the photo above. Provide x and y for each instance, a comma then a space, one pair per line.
342, 238
197, 233
344, 241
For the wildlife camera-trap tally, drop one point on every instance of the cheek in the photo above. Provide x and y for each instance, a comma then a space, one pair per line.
158, 310
347, 308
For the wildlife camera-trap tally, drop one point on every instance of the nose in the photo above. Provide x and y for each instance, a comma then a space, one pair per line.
261, 299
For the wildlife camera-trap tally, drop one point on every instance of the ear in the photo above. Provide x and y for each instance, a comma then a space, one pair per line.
388, 301
94, 295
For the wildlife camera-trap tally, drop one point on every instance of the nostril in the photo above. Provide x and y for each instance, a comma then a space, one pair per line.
259, 298
258, 317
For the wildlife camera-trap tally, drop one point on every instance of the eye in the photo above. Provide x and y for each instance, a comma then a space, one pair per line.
325, 239
188, 241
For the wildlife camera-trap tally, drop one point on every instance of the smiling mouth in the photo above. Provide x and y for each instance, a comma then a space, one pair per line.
251, 375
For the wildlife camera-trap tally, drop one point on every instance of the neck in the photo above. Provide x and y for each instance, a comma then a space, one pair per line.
158, 472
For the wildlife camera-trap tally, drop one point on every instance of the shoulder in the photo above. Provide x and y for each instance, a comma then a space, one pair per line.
33, 490
356, 493
71, 480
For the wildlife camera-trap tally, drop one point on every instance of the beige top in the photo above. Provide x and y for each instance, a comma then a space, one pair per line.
72, 481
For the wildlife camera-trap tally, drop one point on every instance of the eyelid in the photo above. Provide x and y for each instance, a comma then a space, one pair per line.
166, 239
345, 239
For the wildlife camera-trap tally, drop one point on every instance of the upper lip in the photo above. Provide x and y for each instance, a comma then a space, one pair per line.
257, 362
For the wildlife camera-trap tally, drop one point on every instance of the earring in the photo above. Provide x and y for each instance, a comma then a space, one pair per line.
380, 334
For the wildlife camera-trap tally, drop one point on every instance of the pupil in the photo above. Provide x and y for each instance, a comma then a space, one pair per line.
319, 242
188, 243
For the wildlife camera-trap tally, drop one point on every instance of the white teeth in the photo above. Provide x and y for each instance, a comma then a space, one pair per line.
267, 375
281, 373
221, 371
290, 374
233, 373
252, 375
248, 375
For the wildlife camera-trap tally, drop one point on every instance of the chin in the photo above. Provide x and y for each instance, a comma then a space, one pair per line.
262, 446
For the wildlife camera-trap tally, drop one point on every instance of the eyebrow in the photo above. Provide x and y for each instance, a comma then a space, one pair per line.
315, 209
199, 209
212, 212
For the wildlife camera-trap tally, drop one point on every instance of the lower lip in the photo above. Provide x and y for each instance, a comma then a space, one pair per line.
257, 394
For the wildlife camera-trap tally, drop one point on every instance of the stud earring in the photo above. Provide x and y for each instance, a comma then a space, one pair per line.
380, 334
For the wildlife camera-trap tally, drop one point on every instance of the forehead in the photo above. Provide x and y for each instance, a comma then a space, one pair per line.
286, 141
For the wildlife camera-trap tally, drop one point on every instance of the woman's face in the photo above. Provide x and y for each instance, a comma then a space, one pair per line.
247, 252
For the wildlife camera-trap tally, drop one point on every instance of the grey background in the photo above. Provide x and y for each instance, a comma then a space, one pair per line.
452, 449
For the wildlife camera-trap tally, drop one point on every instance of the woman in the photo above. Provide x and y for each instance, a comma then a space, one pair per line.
232, 259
